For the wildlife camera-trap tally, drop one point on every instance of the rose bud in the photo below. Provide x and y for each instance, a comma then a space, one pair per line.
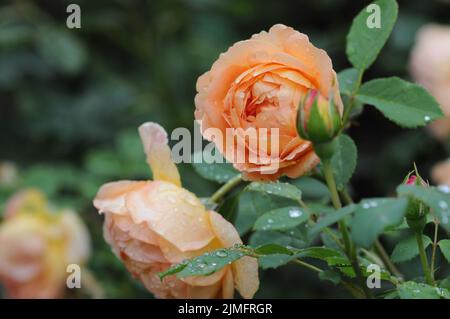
416, 211
319, 120
152, 225
258, 84
36, 246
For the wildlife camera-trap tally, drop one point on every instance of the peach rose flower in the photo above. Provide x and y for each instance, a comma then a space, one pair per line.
37, 244
440, 173
430, 66
152, 225
259, 83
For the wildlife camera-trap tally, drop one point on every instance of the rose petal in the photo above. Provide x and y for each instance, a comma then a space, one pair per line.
111, 196
175, 255
173, 213
204, 292
228, 285
245, 270
170, 287
154, 139
144, 253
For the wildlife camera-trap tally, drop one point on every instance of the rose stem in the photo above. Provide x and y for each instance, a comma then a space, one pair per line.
227, 187
353, 290
433, 253
423, 259
351, 251
378, 246
349, 107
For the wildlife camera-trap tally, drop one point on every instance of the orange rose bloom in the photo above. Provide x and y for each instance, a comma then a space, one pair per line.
440, 172
37, 245
259, 83
152, 225
430, 66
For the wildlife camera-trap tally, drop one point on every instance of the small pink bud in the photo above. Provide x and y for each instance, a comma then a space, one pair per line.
411, 180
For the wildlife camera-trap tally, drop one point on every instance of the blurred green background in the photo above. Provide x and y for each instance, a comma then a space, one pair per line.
71, 100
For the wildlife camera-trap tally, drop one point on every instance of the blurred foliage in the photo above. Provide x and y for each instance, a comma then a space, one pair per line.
73, 98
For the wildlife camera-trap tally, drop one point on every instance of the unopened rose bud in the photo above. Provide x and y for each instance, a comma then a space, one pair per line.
319, 120
417, 210
413, 179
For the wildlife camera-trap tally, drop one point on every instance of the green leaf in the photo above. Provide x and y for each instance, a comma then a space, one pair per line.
328, 239
405, 103
390, 294
344, 160
445, 283
331, 256
274, 261
281, 219
270, 249
229, 208
365, 43
283, 239
348, 81
312, 189
330, 219
335, 258
251, 206
173, 270
295, 237
364, 263
437, 198
277, 189
205, 264
357, 107
331, 275
373, 216
414, 290
61, 49
321, 209
216, 172
407, 249
444, 245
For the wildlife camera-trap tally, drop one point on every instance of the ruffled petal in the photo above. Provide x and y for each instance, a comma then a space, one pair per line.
173, 213
111, 196
154, 139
